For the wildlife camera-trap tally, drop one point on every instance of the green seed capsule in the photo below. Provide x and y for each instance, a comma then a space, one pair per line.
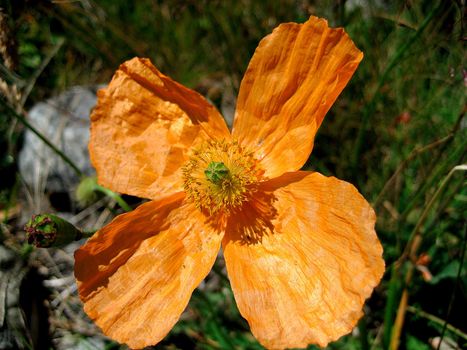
216, 172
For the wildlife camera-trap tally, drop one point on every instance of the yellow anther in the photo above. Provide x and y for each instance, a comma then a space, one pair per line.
221, 176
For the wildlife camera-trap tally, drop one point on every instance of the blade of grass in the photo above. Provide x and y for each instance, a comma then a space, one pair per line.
83, 35
32, 81
390, 309
363, 336
10, 76
453, 295
415, 153
400, 317
455, 156
119, 33
436, 160
437, 320
371, 105
411, 252
421, 220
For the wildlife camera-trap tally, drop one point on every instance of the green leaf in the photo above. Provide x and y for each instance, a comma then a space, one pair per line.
449, 271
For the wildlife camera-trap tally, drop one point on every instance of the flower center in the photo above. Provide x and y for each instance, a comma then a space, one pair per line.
220, 176
216, 172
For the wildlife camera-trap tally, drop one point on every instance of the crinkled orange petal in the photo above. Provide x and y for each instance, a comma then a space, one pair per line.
143, 127
136, 275
294, 77
306, 278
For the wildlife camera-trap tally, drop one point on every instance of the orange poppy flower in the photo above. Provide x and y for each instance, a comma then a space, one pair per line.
300, 248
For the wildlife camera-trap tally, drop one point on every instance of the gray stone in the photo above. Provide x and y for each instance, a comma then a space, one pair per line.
64, 121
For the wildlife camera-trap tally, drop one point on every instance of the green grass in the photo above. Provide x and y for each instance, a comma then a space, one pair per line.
401, 119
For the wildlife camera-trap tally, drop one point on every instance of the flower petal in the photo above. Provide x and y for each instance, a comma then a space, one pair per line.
142, 128
136, 275
305, 280
293, 79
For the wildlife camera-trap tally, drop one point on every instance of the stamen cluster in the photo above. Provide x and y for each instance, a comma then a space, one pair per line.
220, 176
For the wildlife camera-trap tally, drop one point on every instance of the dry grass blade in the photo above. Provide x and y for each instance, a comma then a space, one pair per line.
415, 153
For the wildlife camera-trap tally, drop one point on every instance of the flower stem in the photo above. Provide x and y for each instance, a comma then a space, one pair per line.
121, 202
62, 155
66, 159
